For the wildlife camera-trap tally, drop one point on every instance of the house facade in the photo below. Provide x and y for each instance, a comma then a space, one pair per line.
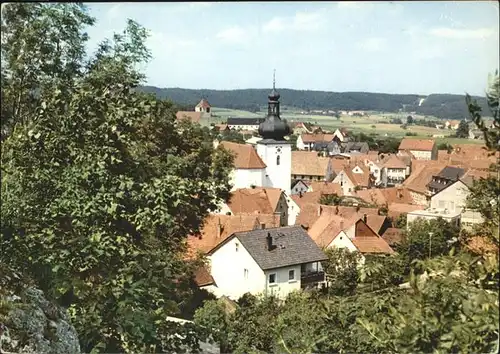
421, 149
244, 123
266, 262
203, 106
307, 141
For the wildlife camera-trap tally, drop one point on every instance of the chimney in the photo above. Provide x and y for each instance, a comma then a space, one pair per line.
269, 242
400, 193
320, 209
262, 226
342, 225
365, 218
219, 229
300, 194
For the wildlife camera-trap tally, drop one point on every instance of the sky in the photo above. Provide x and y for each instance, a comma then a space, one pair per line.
390, 47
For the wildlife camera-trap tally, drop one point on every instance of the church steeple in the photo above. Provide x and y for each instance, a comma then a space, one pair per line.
273, 127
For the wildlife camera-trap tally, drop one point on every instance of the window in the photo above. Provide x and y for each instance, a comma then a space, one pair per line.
291, 274
277, 160
245, 273
236, 245
272, 278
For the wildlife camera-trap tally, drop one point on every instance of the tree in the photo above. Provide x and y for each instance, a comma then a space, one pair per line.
342, 270
100, 187
484, 192
330, 199
337, 115
31, 65
400, 221
463, 129
428, 238
445, 146
491, 135
409, 120
232, 135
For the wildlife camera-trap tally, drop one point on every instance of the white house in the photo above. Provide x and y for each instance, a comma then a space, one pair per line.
352, 177
394, 171
432, 214
249, 169
268, 262
453, 124
453, 198
340, 135
203, 106
244, 123
299, 187
422, 149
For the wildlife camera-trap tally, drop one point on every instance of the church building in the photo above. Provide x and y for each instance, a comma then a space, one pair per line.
274, 149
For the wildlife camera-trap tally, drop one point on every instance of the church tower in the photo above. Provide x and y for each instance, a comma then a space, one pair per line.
273, 149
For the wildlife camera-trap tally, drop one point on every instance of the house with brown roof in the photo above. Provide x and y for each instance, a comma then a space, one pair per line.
394, 170
203, 106
354, 177
310, 212
193, 117
307, 141
352, 232
256, 201
385, 196
421, 149
421, 176
308, 166
249, 168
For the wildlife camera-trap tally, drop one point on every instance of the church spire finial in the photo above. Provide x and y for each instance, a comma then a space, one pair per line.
274, 79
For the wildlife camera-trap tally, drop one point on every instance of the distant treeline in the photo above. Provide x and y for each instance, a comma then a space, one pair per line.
439, 105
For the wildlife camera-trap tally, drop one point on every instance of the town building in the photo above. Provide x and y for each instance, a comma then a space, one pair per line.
249, 124
307, 141
266, 262
421, 149
193, 117
203, 106
444, 178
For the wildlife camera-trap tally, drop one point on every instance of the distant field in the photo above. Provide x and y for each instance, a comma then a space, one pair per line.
376, 123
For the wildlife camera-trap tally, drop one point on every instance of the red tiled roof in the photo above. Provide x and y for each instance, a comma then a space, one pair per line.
393, 236
396, 209
203, 104
191, 116
314, 138
245, 155
372, 245
202, 277
417, 144
308, 163
254, 200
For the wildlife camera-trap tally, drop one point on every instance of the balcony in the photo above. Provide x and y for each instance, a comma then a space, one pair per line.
308, 278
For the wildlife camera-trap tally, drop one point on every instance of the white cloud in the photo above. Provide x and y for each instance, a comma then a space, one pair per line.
277, 24
456, 33
233, 34
114, 12
159, 43
373, 44
354, 5
302, 21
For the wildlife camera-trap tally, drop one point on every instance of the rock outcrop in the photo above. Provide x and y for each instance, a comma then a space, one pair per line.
32, 324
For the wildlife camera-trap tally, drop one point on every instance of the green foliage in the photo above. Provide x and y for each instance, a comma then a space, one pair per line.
445, 146
484, 198
100, 186
342, 271
428, 238
443, 308
410, 134
463, 129
42, 44
400, 221
330, 199
491, 135
232, 135
409, 120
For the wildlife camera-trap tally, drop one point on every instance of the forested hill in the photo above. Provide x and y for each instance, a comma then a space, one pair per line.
439, 105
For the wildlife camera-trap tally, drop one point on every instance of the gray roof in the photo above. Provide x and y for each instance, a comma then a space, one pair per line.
361, 146
451, 172
244, 121
294, 246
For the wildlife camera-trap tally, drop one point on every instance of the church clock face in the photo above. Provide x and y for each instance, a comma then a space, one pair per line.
278, 150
